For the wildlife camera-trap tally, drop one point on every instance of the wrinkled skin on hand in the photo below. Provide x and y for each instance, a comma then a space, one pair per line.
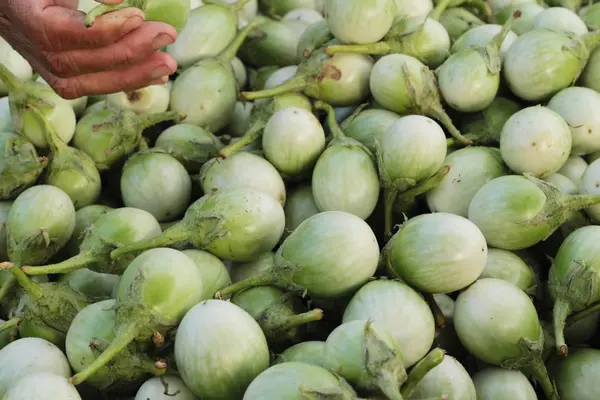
118, 53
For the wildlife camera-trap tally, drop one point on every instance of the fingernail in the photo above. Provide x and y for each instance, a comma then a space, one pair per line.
132, 23
161, 41
159, 81
161, 71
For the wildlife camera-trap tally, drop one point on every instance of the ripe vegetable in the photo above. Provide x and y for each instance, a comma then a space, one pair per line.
208, 31
191, 145
241, 169
341, 80
84, 218
516, 212
469, 79
485, 127
116, 228
150, 172
498, 324
90, 333
456, 190
575, 376
293, 140
214, 273
535, 140
69, 169
109, 136
280, 315
502, 384
448, 379
572, 278
343, 162
481, 36
577, 106
40, 222
329, 255
409, 157
458, 21
543, 62
503, 264
560, 19
422, 37
206, 93
29, 356
20, 165
300, 206
438, 253
359, 21
529, 11
166, 387
95, 286
574, 169
404, 85
220, 360
42, 386
274, 44
311, 352
412, 325
172, 285
409, 8
174, 13
297, 381
367, 356
26, 94
151, 99
233, 224
368, 125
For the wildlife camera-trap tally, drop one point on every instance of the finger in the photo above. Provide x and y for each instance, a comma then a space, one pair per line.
130, 78
131, 49
111, 2
60, 29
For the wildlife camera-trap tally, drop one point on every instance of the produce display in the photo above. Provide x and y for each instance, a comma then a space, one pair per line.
331, 199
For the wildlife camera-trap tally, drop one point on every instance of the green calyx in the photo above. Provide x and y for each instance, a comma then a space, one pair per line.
49, 309
70, 169
109, 136
35, 249
575, 292
491, 52
558, 206
20, 165
280, 275
531, 363
458, 20
383, 364
279, 314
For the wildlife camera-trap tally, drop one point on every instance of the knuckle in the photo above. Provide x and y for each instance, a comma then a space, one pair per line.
68, 89
61, 64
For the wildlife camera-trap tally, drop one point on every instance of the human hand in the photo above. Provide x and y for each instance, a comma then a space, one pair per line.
118, 53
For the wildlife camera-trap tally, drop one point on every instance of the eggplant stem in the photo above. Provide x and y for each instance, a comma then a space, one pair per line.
332, 123
10, 324
144, 121
123, 338
439, 9
295, 84
481, 6
253, 134
264, 279
32, 288
7, 285
580, 201
581, 315
10, 80
560, 312
445, 119
301, 319
79, 261
55, 143
440, 320
540, 374
176, 234
379, 48
591, 40
232, 49
389, 198
418, 372
102, 9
